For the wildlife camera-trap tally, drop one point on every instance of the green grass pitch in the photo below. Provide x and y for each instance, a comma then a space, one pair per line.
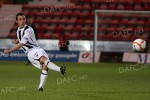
83, 82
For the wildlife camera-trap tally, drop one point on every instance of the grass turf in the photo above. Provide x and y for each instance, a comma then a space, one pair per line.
101, 81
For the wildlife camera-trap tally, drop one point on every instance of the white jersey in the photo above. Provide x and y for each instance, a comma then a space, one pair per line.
26, 36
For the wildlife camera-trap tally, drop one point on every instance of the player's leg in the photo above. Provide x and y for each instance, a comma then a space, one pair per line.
45, 62
39, 58
51, 65
43, 77
34, 56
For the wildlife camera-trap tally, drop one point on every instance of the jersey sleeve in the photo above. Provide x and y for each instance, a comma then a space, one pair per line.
26, 37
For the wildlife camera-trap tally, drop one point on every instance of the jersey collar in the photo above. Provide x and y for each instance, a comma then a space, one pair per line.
22, 28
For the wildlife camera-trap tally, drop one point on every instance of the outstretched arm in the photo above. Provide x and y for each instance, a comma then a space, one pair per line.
16, 47
16, 41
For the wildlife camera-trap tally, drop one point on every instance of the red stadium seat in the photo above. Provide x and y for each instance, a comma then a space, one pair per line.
86, 7
146, 7
112, 6
138, 7
66, 14
100, 36
85, 29
130, 1
139, 1
122, 1
38, 21
91, 15
51, 28
58, 14
83, 36
80, 21
89, 21
96, 1
102, 28
124, 21
132, 21
31, 14
120, 7
121, 28
68, 28
49, 15
129, 7
77, 29
47, 36
90, 36
42, 29
87, 1
114, 22
59, 29
54, 21
108, 36
141, 22
74, 36
40, 35
103, 6
91, 29
78, 7
55, 35
111, 29
72, 21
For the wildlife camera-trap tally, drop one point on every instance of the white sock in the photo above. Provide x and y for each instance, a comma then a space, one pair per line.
52, 66
43, 78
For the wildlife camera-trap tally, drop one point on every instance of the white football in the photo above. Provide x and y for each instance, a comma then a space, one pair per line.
139, 45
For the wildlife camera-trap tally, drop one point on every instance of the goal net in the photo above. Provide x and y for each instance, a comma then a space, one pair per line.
116, 29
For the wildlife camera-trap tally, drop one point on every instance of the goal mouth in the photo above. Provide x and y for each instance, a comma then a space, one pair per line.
120, 28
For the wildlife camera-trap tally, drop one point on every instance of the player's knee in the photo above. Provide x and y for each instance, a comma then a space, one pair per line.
44, 67
46, 62
43, 59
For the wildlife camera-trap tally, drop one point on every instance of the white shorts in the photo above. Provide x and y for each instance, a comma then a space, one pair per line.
34, 55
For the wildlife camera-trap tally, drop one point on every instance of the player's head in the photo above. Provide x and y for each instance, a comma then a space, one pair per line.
20, 19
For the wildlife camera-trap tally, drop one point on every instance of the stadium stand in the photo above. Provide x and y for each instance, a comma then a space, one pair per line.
78, 22
7, 20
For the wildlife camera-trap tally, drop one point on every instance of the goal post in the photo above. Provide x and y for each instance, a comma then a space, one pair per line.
135, 20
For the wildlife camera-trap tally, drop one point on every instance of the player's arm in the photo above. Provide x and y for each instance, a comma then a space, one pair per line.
23, 41
16, 47
16, 41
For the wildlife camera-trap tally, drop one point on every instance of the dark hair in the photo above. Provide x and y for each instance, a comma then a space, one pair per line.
19, 14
